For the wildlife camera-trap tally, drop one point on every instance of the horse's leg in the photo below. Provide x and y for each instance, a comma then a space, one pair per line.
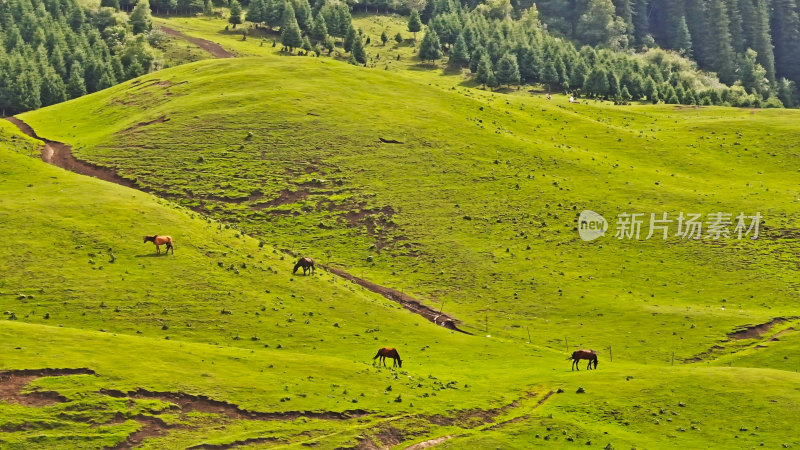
573, 365
158, 250
589, 366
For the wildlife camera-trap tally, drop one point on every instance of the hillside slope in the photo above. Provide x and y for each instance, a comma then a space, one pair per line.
315, 177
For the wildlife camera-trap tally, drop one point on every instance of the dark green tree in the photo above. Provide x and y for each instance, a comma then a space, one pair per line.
236, 14
414, 23
141, 20
290, 31
430, 49
319, 32
358, 52
508, 70
460, 53
484, 74
76, 87
384, 37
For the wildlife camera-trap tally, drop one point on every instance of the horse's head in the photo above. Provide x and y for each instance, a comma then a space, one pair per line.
399, 362
149, 238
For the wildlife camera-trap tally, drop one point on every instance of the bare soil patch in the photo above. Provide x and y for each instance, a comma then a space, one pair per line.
128, 130
429, 443
201, 403
13, 381
234, 444
211, 47
756, 331
151, 427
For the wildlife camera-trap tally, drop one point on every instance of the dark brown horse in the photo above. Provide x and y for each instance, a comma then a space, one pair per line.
389, 353
306, 264
578, 355
161, 240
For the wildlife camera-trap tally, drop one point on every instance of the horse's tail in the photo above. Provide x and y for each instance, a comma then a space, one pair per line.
377, 354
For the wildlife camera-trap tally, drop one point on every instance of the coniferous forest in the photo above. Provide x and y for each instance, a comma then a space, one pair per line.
55, 50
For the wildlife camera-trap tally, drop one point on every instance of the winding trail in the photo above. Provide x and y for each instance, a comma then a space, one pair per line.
60, 154
209, 46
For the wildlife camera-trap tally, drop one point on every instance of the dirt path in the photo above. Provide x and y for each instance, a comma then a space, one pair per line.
60, 154
408, 302
209, 46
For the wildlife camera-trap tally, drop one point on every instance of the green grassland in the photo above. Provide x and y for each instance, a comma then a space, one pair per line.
473, 212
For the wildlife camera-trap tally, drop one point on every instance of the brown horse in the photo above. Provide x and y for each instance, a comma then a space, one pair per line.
578, 355
306, 264
389, 353
161, 240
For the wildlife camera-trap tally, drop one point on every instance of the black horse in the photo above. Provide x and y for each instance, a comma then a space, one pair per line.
306, 264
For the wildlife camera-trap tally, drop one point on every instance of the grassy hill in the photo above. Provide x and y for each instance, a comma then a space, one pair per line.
474, 211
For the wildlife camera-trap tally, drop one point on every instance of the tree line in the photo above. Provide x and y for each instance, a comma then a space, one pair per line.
502, 50
55, 50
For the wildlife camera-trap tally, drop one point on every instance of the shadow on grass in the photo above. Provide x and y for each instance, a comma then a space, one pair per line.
151, 255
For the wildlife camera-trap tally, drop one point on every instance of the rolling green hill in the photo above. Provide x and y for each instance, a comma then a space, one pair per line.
474, 211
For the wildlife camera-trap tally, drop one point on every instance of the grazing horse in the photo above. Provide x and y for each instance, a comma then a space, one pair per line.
389, 353
306, 264
578, 355
161, 240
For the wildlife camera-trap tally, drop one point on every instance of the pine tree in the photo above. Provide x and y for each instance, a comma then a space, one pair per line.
208, 8
697, 22
596, 26
141, 20
484, 73
358, 51
28, 90
641, 22
508, 70
430, 49
596, 83
786, 36
414, 23
290, 31
349, 39
460, 54
256, 11
384, 37
319, 32
236, 14
302, 12
625, 12
682, 39
53, 89
475, 58
757, 33
274, 12
721, 56
76, 87
753, 75
398, 38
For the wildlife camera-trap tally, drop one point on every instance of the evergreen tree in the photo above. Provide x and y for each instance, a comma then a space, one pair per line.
641, 22
302, 12
786, 36
757, 33
349, 39
508, 70
398, 38
721, 56
624, 11
319, 32
141, 20
256, 11
414, 23
274, 12
484, 74
682, 39
358, 51
290, 31
753, 75
460, 53
475, 58
597, 26
76, 87
28, 90
384, 37
208, 8
53, 89
430, 49
596, 83
236, 13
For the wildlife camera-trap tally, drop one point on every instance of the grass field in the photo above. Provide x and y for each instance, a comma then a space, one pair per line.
474, 212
